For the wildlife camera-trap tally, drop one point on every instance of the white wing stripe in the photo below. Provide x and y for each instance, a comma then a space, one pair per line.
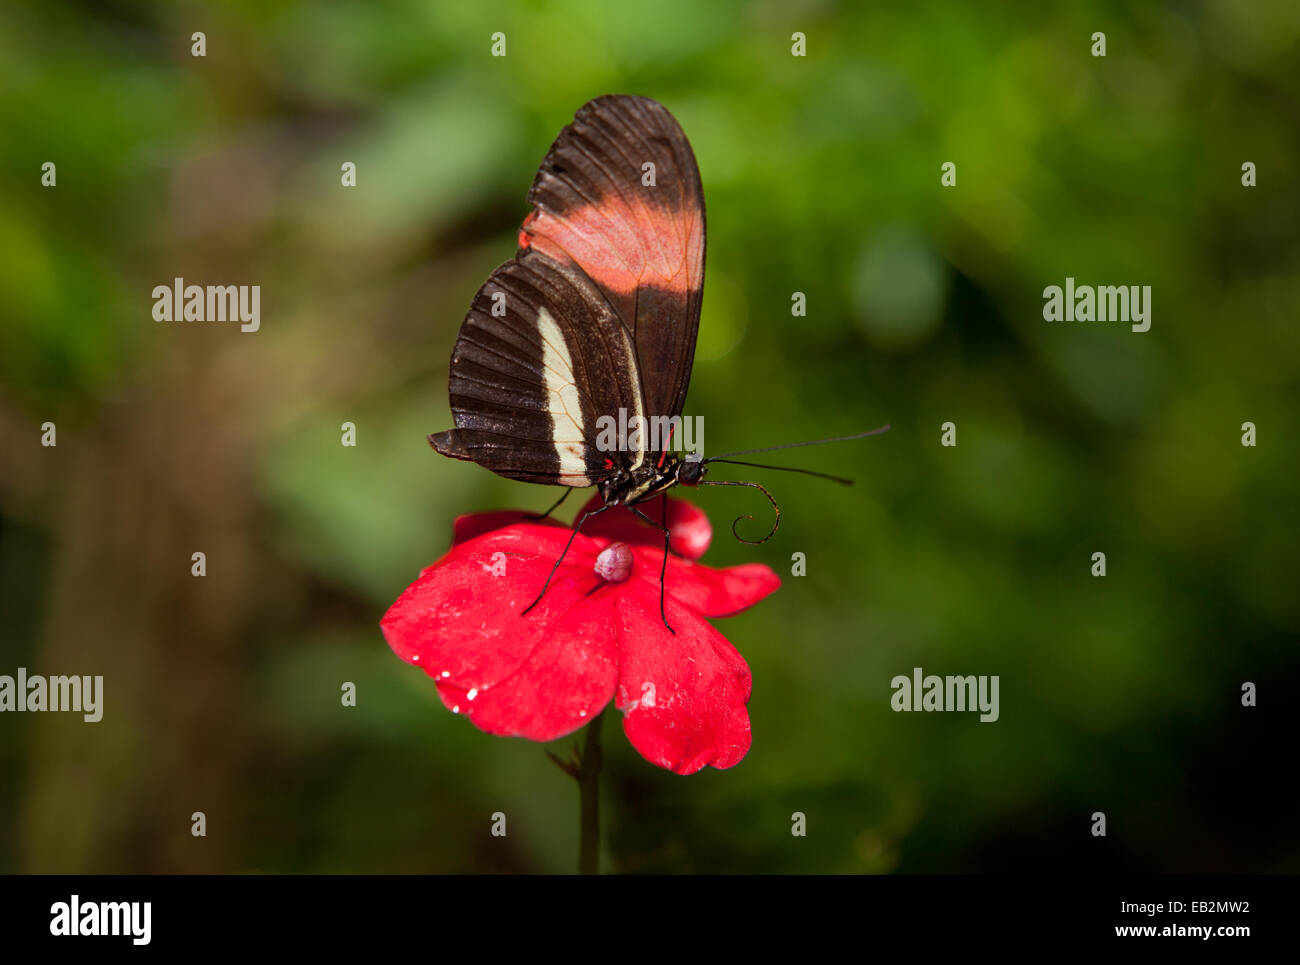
563, 402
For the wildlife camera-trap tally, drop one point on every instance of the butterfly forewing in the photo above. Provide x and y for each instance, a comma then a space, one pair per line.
619, 195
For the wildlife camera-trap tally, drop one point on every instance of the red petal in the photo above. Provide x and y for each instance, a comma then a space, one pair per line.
710, 592
540, 675
467, 527
565, 681
689, 529
683, 696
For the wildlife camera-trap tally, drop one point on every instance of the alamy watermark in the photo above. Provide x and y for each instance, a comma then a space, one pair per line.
654, 434
179, 302
1104, 303
953, 693
75, 917
82, 695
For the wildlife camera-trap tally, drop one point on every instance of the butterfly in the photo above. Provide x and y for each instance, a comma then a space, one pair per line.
595, 318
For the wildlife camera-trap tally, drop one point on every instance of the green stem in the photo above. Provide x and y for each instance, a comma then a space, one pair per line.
588, 775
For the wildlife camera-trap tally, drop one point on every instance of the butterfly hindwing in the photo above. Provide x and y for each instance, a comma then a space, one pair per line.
539, 357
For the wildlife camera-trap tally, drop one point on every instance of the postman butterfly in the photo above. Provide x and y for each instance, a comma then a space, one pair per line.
596, 313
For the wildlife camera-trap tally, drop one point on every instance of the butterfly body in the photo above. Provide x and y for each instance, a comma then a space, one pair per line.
644, 483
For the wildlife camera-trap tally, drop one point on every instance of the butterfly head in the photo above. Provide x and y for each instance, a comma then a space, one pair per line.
690, 471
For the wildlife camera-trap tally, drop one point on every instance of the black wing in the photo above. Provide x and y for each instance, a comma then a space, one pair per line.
539, 358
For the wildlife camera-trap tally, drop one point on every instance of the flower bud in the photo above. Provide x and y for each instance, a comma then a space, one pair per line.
614, 563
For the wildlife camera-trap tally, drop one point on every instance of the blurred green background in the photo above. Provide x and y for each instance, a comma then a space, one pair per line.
822, 175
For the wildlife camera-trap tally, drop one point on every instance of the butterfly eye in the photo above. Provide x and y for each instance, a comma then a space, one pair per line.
690, 472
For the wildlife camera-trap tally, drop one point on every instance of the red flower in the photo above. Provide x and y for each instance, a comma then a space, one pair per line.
546, 673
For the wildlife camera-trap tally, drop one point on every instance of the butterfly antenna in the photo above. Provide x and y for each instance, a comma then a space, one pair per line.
776, 521
796, 445
807, 472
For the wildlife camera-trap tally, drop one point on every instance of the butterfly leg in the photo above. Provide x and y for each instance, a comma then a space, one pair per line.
663, 568
576, 526
568, 489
